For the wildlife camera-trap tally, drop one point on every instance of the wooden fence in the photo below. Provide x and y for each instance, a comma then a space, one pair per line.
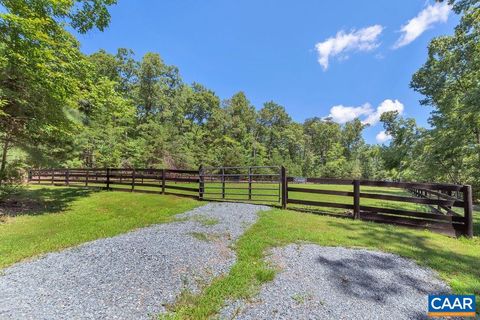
449, 206
164, 181
442, 199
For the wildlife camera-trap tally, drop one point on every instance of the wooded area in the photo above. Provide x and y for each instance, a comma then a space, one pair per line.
62, 108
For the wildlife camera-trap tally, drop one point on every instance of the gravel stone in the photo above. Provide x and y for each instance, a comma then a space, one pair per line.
317, 282
130, 276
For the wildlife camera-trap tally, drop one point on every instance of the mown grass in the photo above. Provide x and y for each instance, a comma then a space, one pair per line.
65, 217
456, 260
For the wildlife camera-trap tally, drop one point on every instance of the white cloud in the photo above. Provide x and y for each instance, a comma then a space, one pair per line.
357, 40
371, 116
342, 114
432, 14
383, 137
386, 106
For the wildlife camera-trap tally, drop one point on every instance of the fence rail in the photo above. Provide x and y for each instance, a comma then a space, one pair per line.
164, 181
449, 206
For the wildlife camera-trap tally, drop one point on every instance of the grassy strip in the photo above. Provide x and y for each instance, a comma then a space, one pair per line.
258, 194
64, 217
456, 260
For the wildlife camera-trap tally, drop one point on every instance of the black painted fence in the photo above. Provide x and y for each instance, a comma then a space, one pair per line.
450, 205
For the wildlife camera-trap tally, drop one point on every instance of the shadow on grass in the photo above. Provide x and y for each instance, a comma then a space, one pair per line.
476, 223
41, 201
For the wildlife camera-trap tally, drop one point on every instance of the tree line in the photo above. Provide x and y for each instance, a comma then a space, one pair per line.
62, 108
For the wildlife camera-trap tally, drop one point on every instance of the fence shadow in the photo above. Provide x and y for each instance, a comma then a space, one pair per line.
41, 201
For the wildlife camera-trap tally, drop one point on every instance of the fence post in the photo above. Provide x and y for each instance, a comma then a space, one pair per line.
201, 183
29, 175
249, 183
108, 178
67, 177
86, 177
468, 208
133, 179
223, 183
283, 177
356, 199
163, 180
53, 174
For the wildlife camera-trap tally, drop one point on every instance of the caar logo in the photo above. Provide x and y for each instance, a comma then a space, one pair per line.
451, 305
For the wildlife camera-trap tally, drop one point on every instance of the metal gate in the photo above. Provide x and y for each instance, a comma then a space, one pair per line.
258, 183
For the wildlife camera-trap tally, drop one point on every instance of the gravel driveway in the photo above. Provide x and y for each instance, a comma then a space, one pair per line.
131, 276
317, 282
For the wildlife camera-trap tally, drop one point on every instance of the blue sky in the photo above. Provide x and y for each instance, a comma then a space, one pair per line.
268, 49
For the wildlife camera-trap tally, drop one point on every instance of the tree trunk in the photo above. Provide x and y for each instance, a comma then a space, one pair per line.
3, 165
477, 137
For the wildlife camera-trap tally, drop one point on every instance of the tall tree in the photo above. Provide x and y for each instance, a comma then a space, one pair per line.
352, 137
241, 125
41, 67
399, 156
273, 121
450, 83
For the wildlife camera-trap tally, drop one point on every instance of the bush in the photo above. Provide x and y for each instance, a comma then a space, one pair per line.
11, 179
7, 190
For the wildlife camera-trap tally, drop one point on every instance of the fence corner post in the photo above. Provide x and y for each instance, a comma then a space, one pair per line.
29, 175
356, 199
201, 183
283, 177
468, 210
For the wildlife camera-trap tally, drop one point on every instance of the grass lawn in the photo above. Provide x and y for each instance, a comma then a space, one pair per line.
63, 217
456, 260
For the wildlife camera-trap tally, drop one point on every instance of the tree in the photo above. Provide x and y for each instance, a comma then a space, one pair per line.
450, 83
149, 88
273, 120
41, 68
399, 157
321, 137
352, 139
200, 105
157, 88
107, 124
241, 124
